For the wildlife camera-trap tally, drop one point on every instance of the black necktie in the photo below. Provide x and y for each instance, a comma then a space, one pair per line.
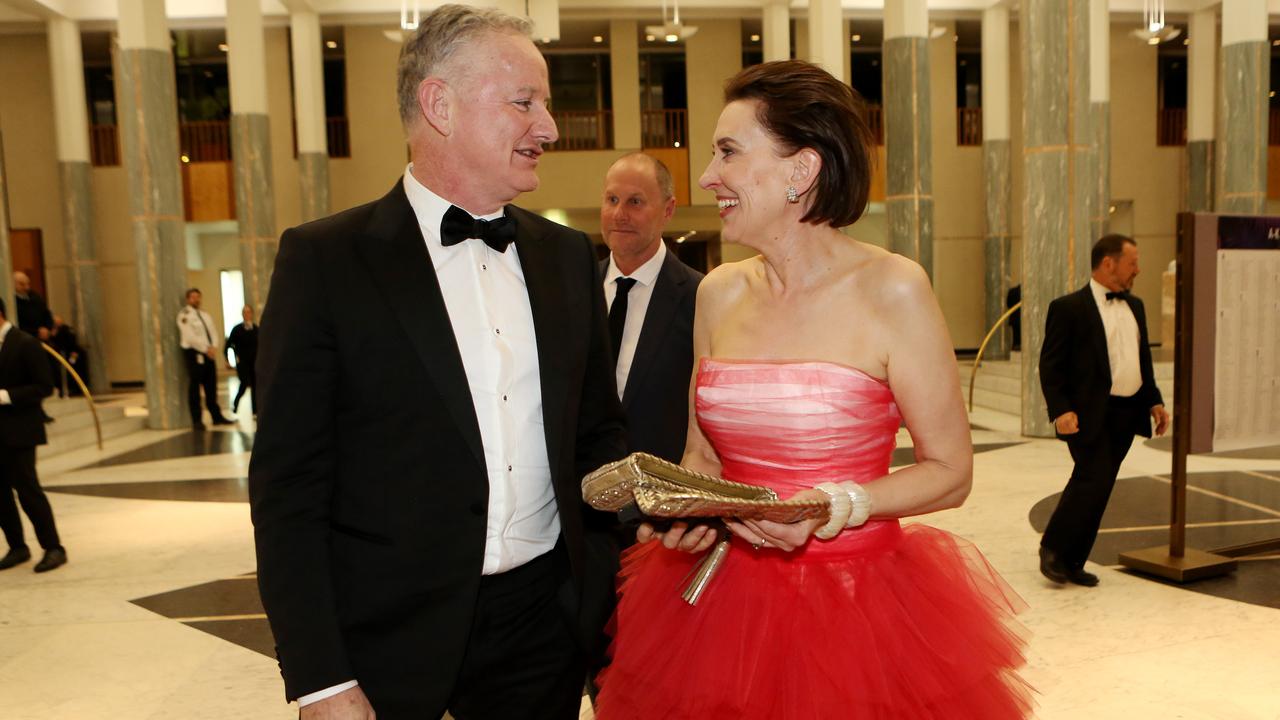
1118, 295
458, 225
618, 314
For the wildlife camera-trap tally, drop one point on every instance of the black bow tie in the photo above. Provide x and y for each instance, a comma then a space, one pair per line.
458, 225
1118, 295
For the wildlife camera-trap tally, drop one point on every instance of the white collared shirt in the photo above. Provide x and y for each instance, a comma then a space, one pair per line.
1122, 341
195, 329
646, 276
5, 327
488, 304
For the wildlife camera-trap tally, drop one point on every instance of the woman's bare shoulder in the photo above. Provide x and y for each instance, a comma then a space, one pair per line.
726, 282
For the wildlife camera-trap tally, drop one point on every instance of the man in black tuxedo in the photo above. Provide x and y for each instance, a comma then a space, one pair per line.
435, 380
24, 382
651, 296
1095, 371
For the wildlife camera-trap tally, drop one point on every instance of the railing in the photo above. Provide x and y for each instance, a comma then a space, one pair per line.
339, 137
104, 145
88, 397
977, 360
206, 140
875, 118
1171, 126
969, 126
664, 128
583, 130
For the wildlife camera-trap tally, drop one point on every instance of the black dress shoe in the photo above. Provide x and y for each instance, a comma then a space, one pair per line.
224, 421
15, 556
1081, 577
56, 557
1052, 568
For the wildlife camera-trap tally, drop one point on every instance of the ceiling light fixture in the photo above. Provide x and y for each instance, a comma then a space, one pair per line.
405, 22
1154, 30
672, 30
597, 38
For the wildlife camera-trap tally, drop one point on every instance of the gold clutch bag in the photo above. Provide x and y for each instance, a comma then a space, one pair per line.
661, 489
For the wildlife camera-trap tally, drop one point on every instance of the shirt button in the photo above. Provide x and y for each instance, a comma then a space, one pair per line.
497, 331
483, 266
508, 468
504, 398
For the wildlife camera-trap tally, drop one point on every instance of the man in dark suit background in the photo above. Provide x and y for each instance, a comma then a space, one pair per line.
651, 296
1096, 374
243, 341
24, 382
435, 380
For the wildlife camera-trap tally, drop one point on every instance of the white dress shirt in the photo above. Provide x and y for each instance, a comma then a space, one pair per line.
488, 305
195, 329
1122, 341
5, 327
646, 276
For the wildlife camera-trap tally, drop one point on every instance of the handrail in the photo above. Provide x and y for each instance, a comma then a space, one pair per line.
97, 426
977, 360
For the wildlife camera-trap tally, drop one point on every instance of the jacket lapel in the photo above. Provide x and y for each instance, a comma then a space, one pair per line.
541, 273
1097, 330
397, 256
663, 303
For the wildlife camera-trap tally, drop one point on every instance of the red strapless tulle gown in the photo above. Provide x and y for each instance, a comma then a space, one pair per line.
884, 621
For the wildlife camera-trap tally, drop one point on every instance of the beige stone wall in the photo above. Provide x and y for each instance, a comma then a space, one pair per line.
1148, 175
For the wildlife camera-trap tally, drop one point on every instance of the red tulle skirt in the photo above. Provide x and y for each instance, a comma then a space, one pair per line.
905, 622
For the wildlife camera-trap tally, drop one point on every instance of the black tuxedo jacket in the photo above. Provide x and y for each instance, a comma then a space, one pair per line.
1075, 372
25, 374
367, 483
656, 398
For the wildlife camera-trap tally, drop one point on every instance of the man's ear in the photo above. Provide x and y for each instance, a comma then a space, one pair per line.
435, 103
806, 166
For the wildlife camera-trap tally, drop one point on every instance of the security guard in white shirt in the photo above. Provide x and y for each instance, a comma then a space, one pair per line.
195, 329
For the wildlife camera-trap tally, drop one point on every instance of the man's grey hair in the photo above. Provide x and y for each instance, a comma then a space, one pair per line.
666, 185
437, 38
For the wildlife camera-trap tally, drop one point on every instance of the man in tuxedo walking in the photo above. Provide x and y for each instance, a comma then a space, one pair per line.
651, 296
24, 381
435, 380
1095, 371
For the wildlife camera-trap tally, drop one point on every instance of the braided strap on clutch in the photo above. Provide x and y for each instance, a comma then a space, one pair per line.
663, 489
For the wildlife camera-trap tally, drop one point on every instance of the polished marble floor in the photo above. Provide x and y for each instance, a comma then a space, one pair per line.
157, 617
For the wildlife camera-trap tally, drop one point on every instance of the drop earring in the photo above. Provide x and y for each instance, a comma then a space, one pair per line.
792, 196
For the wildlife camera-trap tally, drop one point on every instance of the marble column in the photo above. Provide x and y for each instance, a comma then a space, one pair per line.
825, 42
1242, 151
1202, 67
1060, 177
148, 123
996, 173
251, 148
6, 254
1100, 112
71, 121
777, 30
624, 73
309, 113
908, 136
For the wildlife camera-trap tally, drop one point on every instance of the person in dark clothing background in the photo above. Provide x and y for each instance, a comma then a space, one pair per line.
63, 339
32, 312
243, 341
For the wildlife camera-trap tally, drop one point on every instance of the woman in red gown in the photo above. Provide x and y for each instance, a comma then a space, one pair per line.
810, 357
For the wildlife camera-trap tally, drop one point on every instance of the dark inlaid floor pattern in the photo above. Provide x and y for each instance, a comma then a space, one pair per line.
1138, 517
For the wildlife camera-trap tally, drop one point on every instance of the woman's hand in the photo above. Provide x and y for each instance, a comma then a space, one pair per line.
680, 536
783, 536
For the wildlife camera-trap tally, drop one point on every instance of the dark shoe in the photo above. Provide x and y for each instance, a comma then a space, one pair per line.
223, 421
1052, 568
197, 427
1081, 577
54, 558
15, 556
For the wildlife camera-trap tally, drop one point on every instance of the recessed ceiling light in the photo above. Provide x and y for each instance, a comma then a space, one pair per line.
222, 47
755, 38
597, 38
855, 37
331, 44
650, 38
672, 37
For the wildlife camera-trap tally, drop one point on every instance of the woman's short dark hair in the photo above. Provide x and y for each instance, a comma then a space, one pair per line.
803, 106
1110, 246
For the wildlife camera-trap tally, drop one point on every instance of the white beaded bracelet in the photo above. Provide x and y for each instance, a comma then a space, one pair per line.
841, 507
860, 500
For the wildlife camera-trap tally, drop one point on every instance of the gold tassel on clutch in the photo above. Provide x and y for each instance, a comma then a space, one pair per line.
705, 570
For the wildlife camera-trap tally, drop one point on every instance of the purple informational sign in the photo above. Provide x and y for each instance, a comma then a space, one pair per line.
1248, 232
